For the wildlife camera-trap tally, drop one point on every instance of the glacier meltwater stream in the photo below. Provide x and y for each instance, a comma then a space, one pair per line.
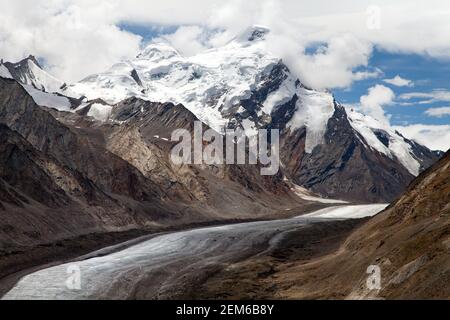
158, 265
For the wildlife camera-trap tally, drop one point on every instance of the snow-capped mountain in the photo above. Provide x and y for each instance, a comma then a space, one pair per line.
243, 84
382, 138
211, 84
29, 72
240, 83
42, 86
337, 152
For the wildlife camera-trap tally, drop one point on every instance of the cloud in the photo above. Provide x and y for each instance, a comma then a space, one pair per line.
436, 95
72, 40
189, 40
377, 97
435, 137
78, 37
333, 65
362, 75
399, 81
438, 112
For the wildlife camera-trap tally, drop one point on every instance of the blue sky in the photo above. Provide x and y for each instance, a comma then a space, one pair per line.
427, 74
147, 32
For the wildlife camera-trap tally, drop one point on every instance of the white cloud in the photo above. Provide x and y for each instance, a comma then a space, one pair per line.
362, 75
438, 112
377, 97
189, 40
332, 66
78, 37
75, 39
435, 137
427, 97
399, 81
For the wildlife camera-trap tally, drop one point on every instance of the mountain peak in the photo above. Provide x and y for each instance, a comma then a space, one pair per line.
24, 62
253, 33
158, 51
33, 59
29, 72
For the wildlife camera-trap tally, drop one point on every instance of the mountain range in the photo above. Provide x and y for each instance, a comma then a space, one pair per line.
93, 156
334, 151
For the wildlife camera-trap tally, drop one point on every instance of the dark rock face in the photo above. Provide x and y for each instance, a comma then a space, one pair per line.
44, 132
135, 77
42, 200
208, 184
23, 168
343, 167
252, 106
80, 176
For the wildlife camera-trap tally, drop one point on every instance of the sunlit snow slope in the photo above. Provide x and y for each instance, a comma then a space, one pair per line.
240, 84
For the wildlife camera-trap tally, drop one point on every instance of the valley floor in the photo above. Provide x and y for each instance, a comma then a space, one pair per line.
18, 261
230, 261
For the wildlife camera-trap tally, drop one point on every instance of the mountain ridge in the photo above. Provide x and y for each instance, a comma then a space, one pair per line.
242, 85
93, 164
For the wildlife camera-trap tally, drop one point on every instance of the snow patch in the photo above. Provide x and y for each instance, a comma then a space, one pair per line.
49, 100
348, 212
41, 79
249, 128
280, 96
314, 109
305, 194
4, 72
100, 111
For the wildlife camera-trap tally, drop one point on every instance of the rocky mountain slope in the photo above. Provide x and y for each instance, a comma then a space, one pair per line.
333, 151
93, 157
111, 132
409, 244
118, 174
